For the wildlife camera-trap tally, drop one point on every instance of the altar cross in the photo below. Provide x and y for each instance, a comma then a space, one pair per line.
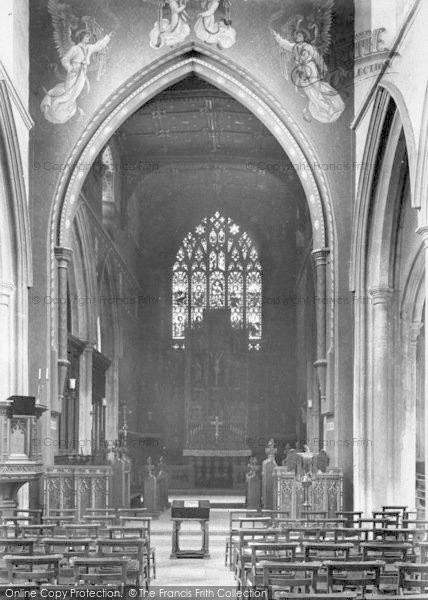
216, 423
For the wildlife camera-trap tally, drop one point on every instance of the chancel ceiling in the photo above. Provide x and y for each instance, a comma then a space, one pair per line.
193, 150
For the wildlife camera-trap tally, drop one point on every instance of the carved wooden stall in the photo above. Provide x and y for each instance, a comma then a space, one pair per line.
77, 486
324, 492
20, 447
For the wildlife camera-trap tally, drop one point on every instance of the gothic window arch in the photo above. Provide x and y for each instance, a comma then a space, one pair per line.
217, 267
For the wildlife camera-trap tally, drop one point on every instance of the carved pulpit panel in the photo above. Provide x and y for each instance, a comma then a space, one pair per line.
216, 383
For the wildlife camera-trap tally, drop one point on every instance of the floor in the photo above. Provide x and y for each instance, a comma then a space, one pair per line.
192, 572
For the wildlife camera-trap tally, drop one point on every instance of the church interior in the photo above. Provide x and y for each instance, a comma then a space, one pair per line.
213, 246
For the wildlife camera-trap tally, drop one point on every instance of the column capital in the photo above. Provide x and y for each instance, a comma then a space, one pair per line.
381, 295
423, 232
320, 256
63, 255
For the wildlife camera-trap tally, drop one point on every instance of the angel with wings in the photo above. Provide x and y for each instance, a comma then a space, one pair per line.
304, 44
211, 31
172, 31
73, 37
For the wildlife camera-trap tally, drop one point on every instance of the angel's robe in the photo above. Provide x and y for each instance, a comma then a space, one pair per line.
210, 31
60, 103
325, 103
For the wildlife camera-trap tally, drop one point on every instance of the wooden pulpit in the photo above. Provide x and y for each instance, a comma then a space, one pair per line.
20, 447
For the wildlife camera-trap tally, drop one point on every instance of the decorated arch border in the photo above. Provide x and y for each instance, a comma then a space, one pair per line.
218, 71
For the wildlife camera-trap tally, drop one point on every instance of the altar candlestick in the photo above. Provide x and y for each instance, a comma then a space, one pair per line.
47, 374
40, 374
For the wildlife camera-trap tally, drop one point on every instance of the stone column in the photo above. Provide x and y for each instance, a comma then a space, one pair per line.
382, 428
85, 399
423, 231
320, 263
63, 256
7, 350
406, 417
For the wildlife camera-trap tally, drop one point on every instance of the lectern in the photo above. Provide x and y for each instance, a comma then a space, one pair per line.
180, 513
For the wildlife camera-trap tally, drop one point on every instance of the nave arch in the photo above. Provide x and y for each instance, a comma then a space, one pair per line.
387, 279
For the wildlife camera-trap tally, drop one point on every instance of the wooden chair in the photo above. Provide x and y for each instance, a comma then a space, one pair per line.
236, 520
412, 577
15, 546
313, 515
354, 574
120, 532
281, 577
318, 551
69, 548
100, 570
34, 514
101, 520
389, 552
131, 512
351, 516
37, 531
37, 568
82, 530
252, 573
244, 536
58, 520
278, 595
134, 551
106, 512
145, 522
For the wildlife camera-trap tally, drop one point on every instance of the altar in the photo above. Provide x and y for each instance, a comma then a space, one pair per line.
216, 402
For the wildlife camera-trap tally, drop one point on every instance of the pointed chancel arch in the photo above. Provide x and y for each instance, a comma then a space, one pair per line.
210, 65
217, 266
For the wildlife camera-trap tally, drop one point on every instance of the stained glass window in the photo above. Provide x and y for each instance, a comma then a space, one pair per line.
217, 266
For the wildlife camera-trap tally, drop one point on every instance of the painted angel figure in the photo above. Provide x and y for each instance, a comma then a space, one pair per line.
211, 31
172, 31
305, 42
60, 103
